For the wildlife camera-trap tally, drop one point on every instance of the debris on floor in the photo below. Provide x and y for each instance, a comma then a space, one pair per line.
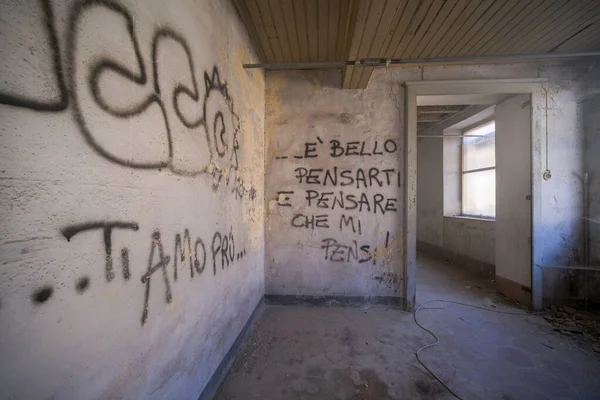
582, 326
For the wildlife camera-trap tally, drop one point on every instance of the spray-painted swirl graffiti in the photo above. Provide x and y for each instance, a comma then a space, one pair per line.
128, 114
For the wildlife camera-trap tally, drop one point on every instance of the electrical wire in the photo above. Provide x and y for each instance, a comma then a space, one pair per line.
437, 340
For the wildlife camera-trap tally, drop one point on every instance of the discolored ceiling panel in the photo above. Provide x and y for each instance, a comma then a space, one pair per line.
342, 30
428, 116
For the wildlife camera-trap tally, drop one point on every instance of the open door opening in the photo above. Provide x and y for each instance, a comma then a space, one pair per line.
473, 192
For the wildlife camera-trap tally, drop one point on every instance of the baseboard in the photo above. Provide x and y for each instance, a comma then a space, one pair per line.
477, 267
513, 290
333, 301
220, 373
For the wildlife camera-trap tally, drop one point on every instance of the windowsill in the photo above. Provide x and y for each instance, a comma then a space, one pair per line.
471, 218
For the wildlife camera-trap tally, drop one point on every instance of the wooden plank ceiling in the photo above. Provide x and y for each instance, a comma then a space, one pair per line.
341, 30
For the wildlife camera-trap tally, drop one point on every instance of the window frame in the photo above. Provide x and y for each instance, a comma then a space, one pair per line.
463, 172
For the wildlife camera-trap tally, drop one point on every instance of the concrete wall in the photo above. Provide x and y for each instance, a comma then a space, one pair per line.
328, 237
591, 125
513, 189
430, 189
471, 238
131, 151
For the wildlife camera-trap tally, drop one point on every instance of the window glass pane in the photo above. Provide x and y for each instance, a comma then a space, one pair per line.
479, 193
479, 152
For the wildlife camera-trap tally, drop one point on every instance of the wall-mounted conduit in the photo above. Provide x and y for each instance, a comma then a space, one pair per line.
387, 62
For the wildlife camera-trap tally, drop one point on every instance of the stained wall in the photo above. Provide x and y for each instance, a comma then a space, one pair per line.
334, 184
131, 208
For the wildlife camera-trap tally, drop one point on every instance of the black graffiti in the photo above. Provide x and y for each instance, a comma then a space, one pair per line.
283, 198
185, 250
390, 279
215, 118
42, 295
82, 284
223, 248
339, 149
107, 228
49, 106
367, 178
350, 222
310, 221
223, 253
375, 203
338, 252
162, 263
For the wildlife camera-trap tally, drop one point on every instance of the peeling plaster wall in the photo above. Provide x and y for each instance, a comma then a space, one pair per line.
132, 234
319, 241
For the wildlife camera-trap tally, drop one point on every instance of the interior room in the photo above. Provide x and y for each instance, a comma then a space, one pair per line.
474, 189
276, 199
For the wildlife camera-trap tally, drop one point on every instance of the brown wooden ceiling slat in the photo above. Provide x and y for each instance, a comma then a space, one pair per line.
465, 29
564, 28
245, 15
476, 30
280, 28
301, 29
593, 18
423, 27
413, 27
385, 25
312, 27
554, 21
366, 43
442, 15
394, 26
456, 26
523, 31
267, 19
322, 29
287, 8
342, 30
515, 29
260, 29
447, 24
521, 9
359, 27
401, 22
589, 40
495, 21
334, 22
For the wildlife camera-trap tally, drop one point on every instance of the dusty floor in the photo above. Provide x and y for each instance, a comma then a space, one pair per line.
347, 353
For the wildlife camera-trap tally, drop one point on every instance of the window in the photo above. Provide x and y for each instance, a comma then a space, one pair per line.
479, 171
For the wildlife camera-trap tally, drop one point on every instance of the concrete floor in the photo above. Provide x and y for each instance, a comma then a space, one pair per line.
327, 353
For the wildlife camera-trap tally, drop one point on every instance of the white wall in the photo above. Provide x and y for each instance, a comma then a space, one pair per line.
333, 256
111, 156
513, 189
430, 189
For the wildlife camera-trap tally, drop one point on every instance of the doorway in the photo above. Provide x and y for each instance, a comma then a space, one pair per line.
459, 217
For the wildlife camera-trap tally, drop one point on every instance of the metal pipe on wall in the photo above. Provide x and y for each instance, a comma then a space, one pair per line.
448, 136
383, 62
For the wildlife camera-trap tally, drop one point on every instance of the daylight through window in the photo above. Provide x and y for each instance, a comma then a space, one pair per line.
479, 171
